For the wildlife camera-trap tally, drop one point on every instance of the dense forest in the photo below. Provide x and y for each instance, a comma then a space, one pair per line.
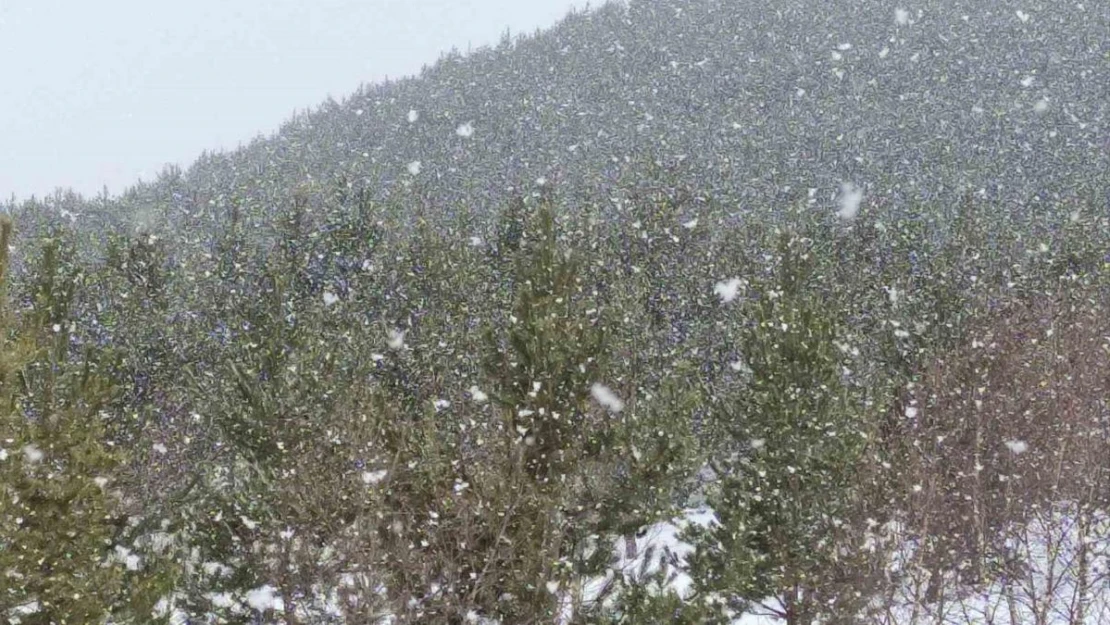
682, 311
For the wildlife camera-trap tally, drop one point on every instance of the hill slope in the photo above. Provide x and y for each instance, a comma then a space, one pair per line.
1008, 99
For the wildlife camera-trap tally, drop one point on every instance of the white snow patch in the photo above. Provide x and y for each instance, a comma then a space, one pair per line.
901, 17
1028, 81
264, 598
690, 225
667, 551
25, 609
477, 395
413, 116
606, 397
413, 168
1017, 447
373, 477
160, 448
441, 404
124, 556
165, 609
1022, 15
216, 569
220, 600
465, 130
330, 298
1041, 105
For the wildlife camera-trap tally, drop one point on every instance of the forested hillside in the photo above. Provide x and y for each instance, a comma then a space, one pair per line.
754, 101
817, 292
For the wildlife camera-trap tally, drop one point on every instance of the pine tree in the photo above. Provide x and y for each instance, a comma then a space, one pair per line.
799, 436
62, 549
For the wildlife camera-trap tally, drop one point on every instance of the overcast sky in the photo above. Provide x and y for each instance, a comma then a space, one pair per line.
102, 93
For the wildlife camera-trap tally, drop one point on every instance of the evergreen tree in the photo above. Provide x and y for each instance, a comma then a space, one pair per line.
799, 433
63, 544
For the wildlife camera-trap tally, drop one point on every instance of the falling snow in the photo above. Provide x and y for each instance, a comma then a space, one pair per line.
727, 290
604, 297
606, 397
849, 201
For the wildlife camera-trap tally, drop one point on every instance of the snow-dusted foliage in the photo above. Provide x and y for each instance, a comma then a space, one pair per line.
680, 311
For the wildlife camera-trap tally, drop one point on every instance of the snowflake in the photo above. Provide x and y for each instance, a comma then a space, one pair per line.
606, 397
396, 339
32, 454
850, 198
727, 290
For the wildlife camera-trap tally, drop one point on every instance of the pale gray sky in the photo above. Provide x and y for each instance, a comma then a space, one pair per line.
101, 93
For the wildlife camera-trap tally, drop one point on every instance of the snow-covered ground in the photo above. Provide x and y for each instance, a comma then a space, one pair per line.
1064, 575
1063, 578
